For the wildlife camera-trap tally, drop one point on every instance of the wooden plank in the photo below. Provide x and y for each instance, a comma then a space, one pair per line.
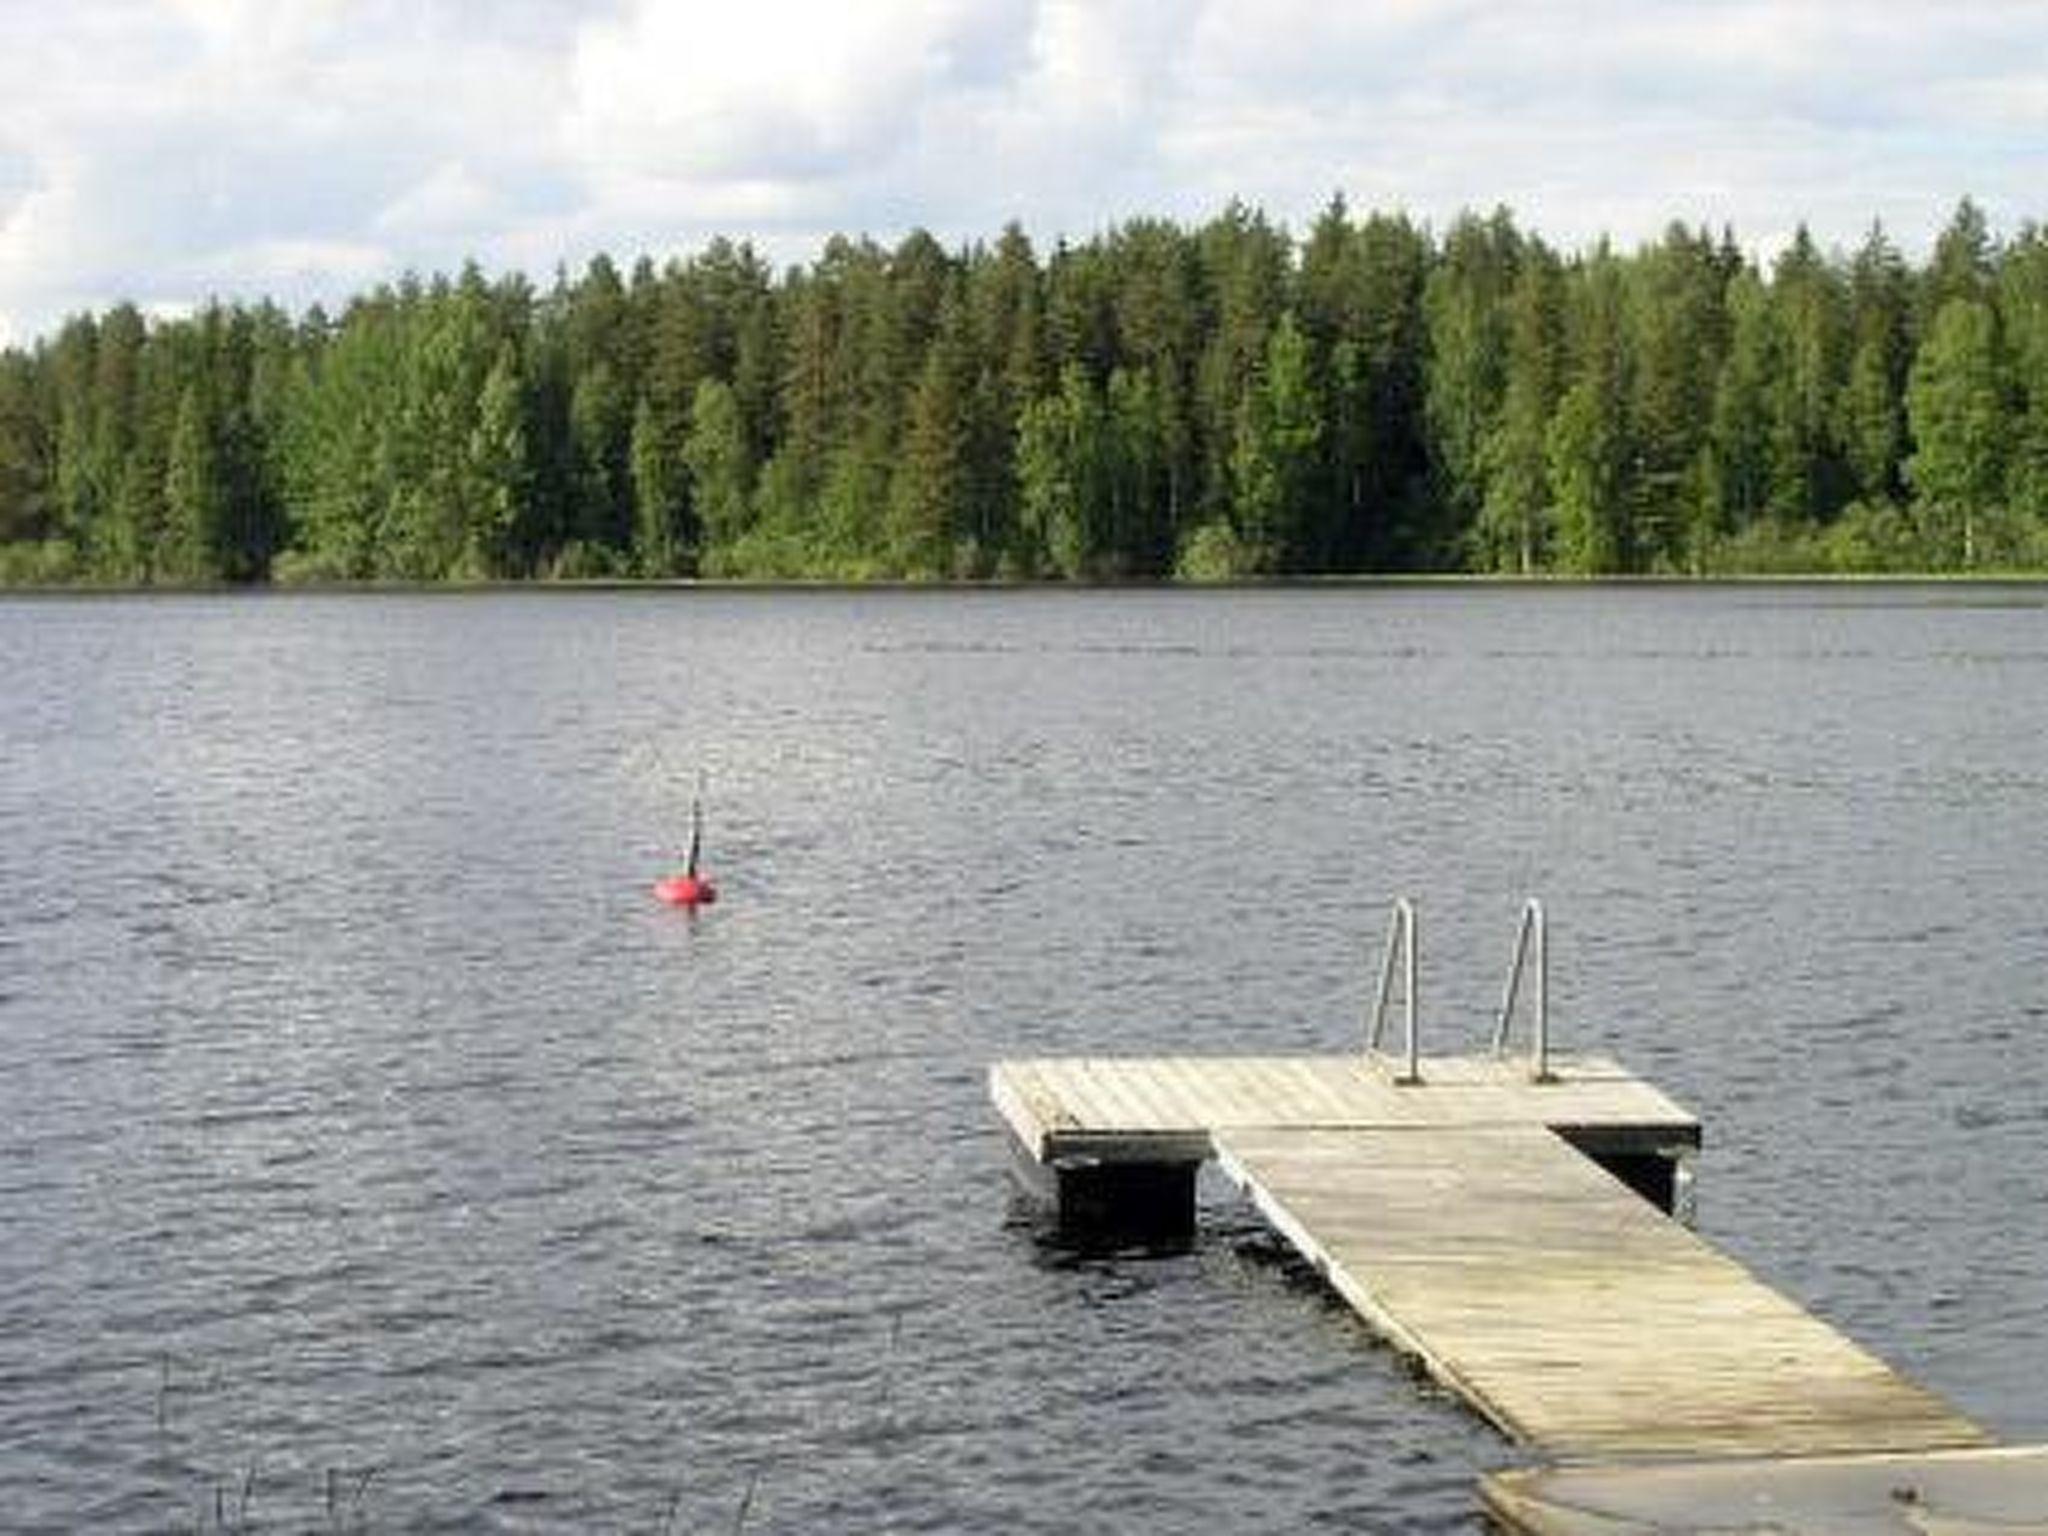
1220, 1089
1331, 1097
1911, 1494
1037, 1085
1564, 1308
1125, 1093
1034, 1110
1087, 1098
1189, 1080
1273, 1100
1306, 1096
1117, 1090
1183, 1080
1158, 1098
1079, 1106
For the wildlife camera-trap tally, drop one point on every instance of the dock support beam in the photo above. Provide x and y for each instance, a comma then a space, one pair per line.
1117, 1205
1097, 1203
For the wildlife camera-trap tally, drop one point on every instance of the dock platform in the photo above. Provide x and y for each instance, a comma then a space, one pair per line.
1514, 1233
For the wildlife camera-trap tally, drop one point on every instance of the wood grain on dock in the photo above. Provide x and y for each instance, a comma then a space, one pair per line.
1566, 1310
1162, 1108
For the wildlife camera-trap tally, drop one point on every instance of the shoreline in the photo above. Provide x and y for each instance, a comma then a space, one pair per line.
1366, 581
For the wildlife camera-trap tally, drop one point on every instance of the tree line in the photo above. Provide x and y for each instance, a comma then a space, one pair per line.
1159, 401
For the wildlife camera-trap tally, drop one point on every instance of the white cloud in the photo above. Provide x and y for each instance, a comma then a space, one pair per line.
450, 200
771, 90
162, 150
190, 147
292, 265
256, 30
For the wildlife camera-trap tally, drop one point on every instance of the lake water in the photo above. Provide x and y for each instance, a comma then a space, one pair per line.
376, 1154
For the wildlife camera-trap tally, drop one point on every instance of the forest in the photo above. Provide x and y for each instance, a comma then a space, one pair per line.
1159, 402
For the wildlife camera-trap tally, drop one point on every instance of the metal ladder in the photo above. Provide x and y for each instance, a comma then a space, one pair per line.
1532, 951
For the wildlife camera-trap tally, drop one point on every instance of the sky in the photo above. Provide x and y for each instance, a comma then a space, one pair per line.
172, 151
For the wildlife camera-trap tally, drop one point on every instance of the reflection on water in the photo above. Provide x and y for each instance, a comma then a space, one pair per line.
375, 1153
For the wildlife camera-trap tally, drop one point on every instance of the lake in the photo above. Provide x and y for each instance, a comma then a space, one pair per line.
376, 1154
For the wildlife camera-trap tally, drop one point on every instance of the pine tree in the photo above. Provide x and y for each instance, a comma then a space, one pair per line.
600, 437
1513, 529
1588, 446
1585, 462
500, 472
1158, 312
1393, 262
663, 538
80, 484
1956, 399
1273, 460
28, 508
1063, 477
930, 504
195, 502
1465, 304
133, 407
720, 476
1333, 303
1961, 267
1677, 322
2023, 320
1738, 449
1805, 476
1139, 450
1872, 428
1245, 266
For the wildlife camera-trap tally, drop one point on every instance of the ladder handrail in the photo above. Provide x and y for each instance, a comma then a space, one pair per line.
1534, 930
1400, 941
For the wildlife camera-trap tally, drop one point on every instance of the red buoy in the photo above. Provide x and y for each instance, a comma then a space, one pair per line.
686, 891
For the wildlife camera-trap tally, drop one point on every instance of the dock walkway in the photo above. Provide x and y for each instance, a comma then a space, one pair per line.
1566, 1310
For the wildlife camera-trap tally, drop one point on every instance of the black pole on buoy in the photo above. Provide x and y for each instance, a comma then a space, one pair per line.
691, 889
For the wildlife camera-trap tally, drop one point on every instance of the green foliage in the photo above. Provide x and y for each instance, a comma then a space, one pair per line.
715, 453
498, 473
1218, 552
40, 563
1588, 448
1207, 401
663, 533
1738, 446
1063, 477
1956, 402
1467, 312
1962, 265
932, 500
1274, 458
600, 451
28, 506
1584, 451
2023, 309
1513, 526
1141, 432
1873, 427
1799, 392
1674, 297
195, 499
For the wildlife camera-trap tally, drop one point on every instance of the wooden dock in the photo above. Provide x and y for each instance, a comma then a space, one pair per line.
1515, 1236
